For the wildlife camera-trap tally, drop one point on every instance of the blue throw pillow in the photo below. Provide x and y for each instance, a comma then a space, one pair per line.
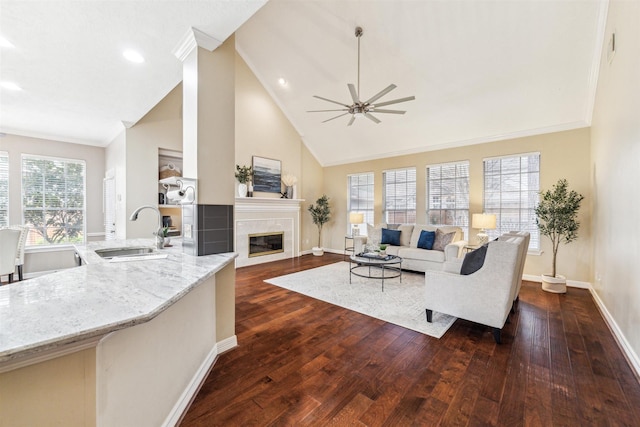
390, 237
426, 239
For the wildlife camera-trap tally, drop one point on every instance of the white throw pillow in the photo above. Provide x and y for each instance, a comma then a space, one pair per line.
374, 234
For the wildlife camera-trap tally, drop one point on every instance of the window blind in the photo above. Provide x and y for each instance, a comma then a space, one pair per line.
448, 195
400, 196
4, 189
53, 200
511, 187
360, 200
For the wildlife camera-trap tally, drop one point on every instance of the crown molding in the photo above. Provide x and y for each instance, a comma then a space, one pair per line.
192, 39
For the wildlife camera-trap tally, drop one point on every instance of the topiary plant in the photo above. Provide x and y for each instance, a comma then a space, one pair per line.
320, 214
557, 216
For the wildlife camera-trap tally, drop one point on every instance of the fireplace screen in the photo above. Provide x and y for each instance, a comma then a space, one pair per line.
265, 243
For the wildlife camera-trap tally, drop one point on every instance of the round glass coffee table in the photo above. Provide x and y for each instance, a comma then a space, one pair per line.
375, 267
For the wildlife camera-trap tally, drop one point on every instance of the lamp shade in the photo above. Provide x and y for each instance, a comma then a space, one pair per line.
484, 221
356, 218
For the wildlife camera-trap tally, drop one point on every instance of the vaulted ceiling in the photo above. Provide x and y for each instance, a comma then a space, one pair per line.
480, 71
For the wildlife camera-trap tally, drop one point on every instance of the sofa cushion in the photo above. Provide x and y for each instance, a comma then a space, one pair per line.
415, 236
426, 240
405, 237
374, 234
421, 254
474, 260
390, 237
442, 240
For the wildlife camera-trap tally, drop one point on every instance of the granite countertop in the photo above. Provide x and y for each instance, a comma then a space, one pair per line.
98, 297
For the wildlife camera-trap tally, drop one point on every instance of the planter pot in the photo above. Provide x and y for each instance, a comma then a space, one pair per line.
242, 190
556, 285
317, 251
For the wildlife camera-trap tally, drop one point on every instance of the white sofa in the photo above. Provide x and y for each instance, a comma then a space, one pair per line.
414, 258
485, 296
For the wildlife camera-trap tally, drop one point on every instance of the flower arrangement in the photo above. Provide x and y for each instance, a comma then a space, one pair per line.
289, 180
243, 174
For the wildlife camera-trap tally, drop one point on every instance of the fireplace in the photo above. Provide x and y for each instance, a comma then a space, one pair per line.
266, 243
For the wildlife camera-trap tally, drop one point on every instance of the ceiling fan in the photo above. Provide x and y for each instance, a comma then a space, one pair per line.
360, 108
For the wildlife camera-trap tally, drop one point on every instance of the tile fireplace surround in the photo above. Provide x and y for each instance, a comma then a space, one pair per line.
255, 215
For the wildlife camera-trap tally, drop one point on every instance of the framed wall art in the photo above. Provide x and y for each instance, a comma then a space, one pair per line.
266, 174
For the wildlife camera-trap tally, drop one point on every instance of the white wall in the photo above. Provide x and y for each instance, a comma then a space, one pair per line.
615, 143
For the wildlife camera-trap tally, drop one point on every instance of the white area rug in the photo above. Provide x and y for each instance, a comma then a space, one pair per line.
400, 303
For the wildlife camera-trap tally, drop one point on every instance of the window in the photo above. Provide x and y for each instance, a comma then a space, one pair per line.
53, 200
360, 199
511, 187
400, 196
448, 195
4, 189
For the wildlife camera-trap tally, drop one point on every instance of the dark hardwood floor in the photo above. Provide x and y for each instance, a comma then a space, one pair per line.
305, 362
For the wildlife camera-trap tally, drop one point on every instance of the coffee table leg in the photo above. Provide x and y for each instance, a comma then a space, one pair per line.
382, 277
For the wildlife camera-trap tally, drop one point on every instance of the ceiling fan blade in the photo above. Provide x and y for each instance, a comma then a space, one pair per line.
394, 101
354, 94
372, 118
324, 111
381, 93
330, 100
353, 119
375, 110
335, 117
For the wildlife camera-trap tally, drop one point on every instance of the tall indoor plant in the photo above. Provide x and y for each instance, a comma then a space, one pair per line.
557, 218
320, 214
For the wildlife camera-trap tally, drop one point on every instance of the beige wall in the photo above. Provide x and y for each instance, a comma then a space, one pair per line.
161, 127
60, 391
38, 260
263, 130
615, 171
562, 155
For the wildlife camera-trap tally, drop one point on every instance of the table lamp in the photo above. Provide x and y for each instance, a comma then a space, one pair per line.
484, 222
355, 219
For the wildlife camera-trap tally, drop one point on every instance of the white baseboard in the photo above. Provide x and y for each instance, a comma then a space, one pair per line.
227, 344
571, 283
192, 389
627, 350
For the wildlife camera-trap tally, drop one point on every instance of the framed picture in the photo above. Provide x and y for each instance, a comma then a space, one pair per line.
266, 175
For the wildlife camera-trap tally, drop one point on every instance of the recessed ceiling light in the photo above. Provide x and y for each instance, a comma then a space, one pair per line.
282, 81
133, 56
10, 86
5, 43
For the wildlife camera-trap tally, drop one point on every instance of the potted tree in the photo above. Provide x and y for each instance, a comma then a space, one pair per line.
243, 175
320, 214
557, 218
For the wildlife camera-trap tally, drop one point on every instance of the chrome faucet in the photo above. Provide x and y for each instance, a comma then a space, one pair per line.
159, 233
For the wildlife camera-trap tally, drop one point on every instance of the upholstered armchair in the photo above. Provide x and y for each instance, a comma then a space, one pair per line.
8, 249
485, 296
22, 243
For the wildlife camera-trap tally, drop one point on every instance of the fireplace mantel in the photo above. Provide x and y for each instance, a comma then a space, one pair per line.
253, 204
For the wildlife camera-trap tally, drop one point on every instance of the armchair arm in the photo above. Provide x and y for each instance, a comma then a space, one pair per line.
454, 250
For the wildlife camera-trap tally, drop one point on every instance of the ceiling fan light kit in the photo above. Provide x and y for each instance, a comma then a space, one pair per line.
360, 108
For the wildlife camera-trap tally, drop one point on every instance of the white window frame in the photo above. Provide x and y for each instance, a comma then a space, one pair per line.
399, 204
4, 188
34, 239
509, 202
364, 204
456, 210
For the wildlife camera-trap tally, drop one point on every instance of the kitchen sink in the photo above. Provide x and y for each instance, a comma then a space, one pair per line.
130, 251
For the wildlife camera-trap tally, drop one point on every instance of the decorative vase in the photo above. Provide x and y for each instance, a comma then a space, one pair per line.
242, 190
317, 251
250, 189
167, 241
556, 285
289, 191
